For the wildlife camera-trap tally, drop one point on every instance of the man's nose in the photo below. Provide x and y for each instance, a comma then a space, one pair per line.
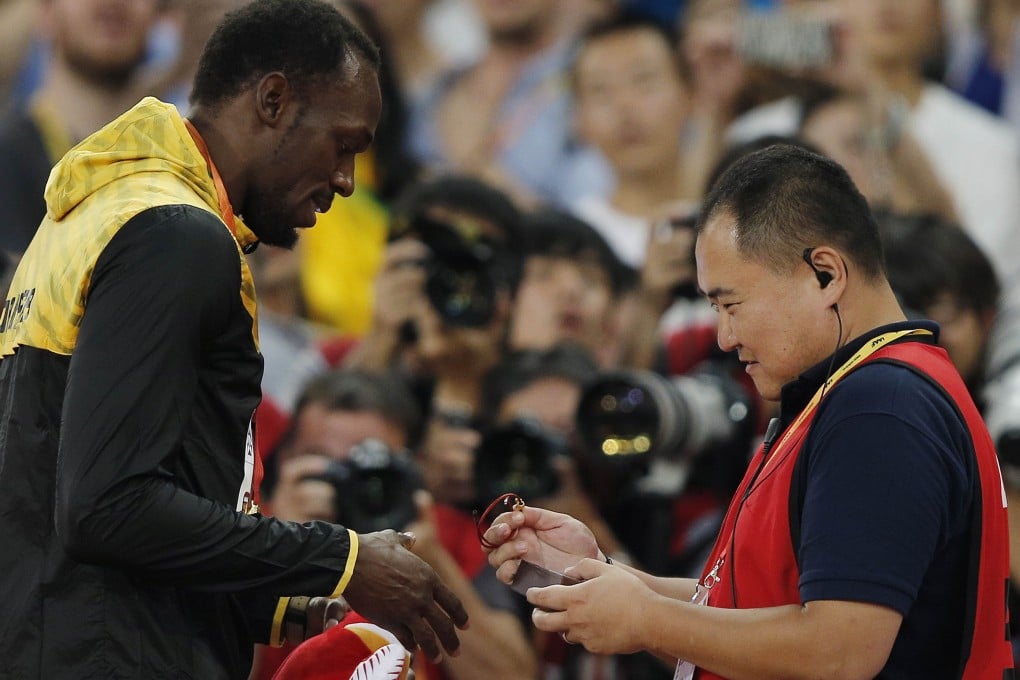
343, 181
725, 337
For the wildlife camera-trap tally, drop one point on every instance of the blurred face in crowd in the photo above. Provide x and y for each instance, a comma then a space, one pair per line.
322, 431
631, 101
516, 21
837, 129
102, 40
893, 31
964, 333
562, 299
768, 318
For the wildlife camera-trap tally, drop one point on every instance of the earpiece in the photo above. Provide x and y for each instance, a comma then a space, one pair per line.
824, 278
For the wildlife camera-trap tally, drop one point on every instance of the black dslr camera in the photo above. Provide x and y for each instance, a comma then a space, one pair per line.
374, 487
518, 458
464, 270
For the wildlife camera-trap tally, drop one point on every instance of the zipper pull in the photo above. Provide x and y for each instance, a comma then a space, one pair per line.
713, 576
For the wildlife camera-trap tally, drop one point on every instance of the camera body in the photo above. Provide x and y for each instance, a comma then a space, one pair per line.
464, 272
519, 458
374, 487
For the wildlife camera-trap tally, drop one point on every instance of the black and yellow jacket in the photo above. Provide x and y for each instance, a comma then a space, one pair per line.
129, 372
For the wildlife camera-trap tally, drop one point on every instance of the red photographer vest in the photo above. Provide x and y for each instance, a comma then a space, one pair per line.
768, 574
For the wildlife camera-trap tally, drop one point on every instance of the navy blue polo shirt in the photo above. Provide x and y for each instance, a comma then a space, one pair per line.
884, 487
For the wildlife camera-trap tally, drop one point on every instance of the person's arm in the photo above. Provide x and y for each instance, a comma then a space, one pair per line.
668, 265
614, 612
620, 609
159, 297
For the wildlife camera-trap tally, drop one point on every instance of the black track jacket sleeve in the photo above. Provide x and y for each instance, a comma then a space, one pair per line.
136, 486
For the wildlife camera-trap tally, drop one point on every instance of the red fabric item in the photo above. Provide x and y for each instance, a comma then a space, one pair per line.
688, 347
337, 653
271, 422
336, 348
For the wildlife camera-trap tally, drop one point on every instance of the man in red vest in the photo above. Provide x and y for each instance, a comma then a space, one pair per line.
869, 537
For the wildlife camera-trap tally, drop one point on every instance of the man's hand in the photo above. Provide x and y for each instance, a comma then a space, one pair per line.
400, 285
603, 612
549, 539
395, 589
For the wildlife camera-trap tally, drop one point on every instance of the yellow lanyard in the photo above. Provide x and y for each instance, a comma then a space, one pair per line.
863, 353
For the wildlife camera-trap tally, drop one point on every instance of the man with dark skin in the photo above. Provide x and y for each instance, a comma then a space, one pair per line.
130, 370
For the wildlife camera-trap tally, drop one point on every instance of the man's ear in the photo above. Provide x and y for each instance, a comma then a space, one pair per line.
273, 96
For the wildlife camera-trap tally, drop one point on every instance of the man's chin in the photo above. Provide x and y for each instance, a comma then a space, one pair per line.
279, 238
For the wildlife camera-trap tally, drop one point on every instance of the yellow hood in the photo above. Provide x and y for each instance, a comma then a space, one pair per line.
144, 158
149, 138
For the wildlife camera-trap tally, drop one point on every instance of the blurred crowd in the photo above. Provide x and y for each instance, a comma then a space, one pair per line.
508, 300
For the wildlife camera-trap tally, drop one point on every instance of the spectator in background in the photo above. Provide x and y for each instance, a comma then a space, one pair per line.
571, 287
191, 23
868, 137
91, 78
416, 61
16, 24
632, 104
938, 272
505, 118
985, 61
972, 153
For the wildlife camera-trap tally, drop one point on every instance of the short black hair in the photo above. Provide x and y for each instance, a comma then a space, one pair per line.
784, 199
362, 390
343, 389
629, 22
303, 39
567, 361
553, 233
927, 256
735, 152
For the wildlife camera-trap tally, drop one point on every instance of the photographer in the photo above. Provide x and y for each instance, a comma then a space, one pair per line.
324, 473
335, 414
442, 318
571, 287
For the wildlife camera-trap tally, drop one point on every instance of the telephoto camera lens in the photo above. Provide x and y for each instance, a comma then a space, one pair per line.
629, 416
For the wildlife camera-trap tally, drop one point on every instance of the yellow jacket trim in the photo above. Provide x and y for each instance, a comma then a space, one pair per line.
352, 557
